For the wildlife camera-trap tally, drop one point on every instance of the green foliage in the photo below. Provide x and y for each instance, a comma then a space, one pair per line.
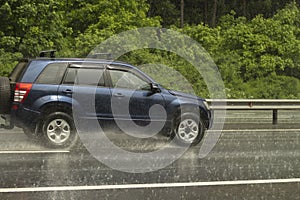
256, 49
8, 61
274, 87
115, 16
30, 26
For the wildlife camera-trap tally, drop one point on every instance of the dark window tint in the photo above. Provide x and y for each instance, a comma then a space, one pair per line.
84, 76
52, 74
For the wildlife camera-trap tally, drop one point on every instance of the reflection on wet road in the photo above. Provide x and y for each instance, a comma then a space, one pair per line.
247, 150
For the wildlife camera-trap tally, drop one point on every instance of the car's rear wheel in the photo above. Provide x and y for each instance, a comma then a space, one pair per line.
189, 129
5, 95
58, 130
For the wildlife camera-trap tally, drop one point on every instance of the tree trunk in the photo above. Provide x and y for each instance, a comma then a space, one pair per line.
206, 12
214, 14
245, 8
181, 13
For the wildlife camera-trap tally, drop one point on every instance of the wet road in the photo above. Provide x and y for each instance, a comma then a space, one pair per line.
250, 149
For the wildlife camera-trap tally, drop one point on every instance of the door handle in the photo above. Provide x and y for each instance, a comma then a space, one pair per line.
118, 95
67, 91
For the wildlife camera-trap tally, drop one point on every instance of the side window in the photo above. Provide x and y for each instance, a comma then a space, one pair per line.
70, 76
84, 76
126, 79
52, 74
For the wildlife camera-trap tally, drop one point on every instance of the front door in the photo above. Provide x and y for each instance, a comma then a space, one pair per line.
134, 106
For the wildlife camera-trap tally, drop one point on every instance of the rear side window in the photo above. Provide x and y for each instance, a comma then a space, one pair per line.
84, 76
52, 74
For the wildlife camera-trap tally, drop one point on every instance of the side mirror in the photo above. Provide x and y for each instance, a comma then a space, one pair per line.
154, 88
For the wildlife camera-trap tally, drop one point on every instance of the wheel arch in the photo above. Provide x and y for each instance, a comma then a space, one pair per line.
190, 108
50, 107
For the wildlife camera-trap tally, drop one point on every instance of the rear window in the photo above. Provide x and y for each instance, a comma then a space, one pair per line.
52, 74
18, 70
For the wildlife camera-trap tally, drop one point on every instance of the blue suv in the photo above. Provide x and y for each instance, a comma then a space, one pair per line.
42, 94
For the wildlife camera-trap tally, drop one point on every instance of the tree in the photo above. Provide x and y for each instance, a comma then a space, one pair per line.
31, 26
166, 9
114, 17
260, 50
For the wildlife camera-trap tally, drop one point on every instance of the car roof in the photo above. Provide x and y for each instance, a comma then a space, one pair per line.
121, 65
84, 60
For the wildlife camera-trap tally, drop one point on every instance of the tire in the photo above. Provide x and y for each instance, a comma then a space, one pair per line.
58, 130
189, 129
5, 95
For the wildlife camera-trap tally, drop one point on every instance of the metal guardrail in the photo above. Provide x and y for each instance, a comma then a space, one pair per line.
255, 104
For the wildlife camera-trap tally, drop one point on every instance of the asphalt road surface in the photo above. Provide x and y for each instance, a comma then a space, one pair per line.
253, 159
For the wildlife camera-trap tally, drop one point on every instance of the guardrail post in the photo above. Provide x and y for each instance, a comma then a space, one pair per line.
275, 116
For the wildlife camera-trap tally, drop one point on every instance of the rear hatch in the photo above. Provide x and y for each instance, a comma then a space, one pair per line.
18, 71
16, 74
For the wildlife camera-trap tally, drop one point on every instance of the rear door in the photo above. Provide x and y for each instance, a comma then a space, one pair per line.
84, 86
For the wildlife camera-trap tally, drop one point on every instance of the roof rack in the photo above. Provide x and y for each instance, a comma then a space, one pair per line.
50, 52
100, 55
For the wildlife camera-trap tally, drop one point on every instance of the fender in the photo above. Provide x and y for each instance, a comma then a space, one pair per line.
73, 103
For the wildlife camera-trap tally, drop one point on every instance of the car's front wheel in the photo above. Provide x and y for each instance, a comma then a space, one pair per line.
59, 130
189, 129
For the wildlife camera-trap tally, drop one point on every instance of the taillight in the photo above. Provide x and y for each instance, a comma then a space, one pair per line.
21, 91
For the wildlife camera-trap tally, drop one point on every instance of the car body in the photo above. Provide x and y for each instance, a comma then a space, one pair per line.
46, 93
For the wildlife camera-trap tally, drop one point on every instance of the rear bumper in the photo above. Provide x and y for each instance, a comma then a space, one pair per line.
6, 122
24, 118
